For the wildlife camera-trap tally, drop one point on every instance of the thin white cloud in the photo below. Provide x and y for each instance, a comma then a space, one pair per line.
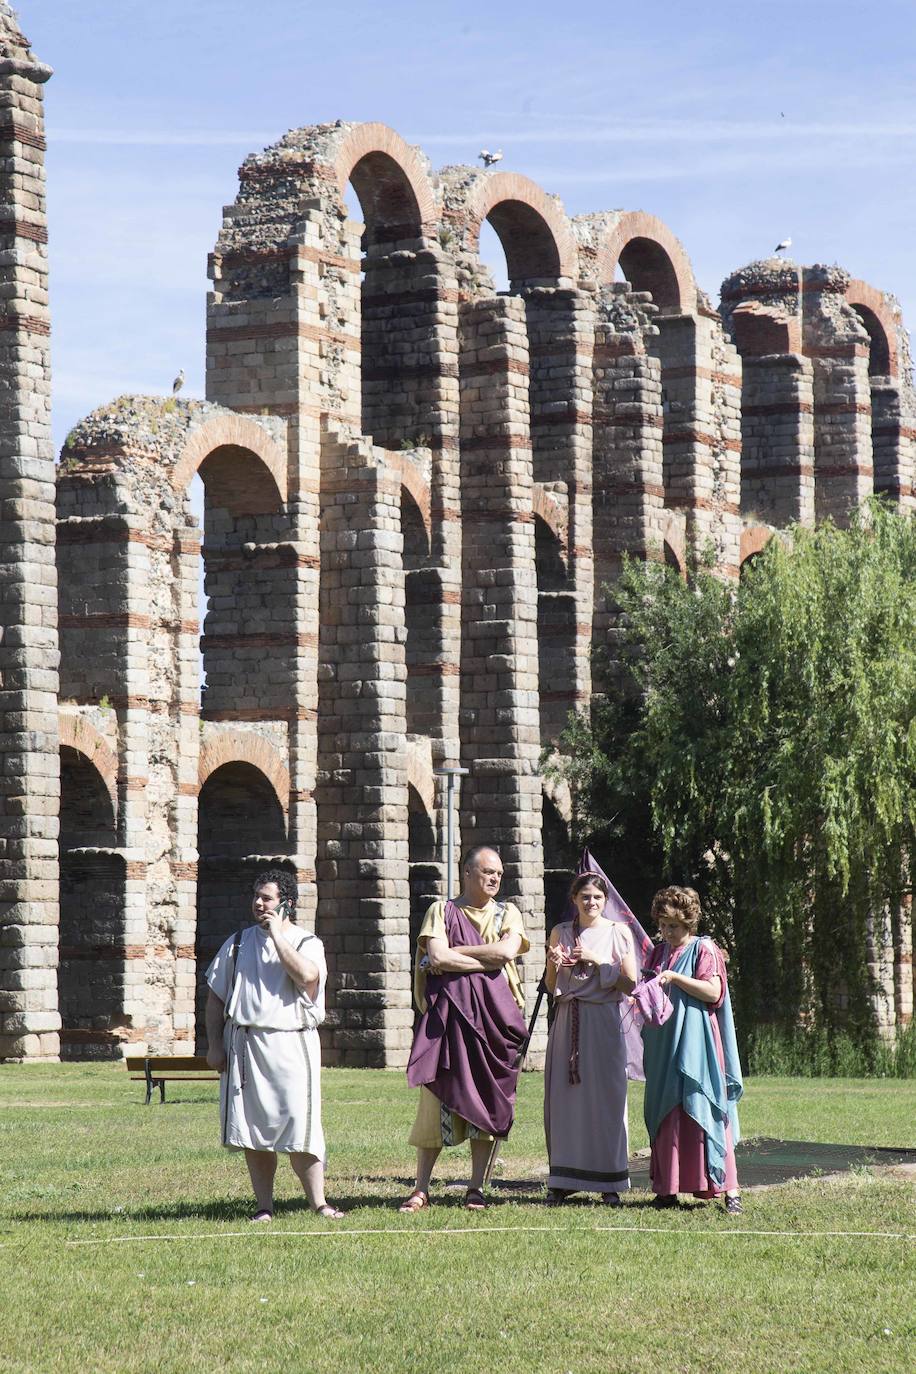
678, 131
158, 138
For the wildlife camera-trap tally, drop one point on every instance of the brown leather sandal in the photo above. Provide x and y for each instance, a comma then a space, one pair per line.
417, 1202
474, 1200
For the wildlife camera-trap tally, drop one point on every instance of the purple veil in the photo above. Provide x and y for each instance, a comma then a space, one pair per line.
616, 909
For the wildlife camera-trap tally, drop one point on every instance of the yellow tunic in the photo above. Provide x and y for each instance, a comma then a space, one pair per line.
492, 924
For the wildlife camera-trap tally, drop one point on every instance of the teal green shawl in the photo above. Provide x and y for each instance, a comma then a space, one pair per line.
682, 1068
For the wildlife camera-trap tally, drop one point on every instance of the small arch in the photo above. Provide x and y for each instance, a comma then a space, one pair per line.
672, 559
78, 735
414, 488
239, 819
391, 181
878, 317
245, 747
544, 506
420, 774
92, 972
535, 234
674, 544
651, 259
242, 465
754, 539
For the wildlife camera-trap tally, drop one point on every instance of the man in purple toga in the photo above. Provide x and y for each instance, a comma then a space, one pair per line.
465, 1056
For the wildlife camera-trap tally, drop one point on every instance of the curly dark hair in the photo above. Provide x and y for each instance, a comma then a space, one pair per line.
287, 886
678, 904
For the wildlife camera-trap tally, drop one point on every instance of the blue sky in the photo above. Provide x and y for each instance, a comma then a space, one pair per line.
735, 123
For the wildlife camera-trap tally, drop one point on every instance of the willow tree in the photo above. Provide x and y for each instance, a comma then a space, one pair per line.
766, 752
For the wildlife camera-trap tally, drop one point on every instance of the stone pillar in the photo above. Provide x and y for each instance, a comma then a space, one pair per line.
701, 382
838, 344
777, 433
30, 792
363, 908
629, 505
561, 338
893, 435
501, 799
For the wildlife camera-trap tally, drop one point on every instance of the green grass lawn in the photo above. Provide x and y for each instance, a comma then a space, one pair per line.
91, 1177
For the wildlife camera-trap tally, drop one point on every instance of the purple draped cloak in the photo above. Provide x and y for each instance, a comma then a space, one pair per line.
466, 1049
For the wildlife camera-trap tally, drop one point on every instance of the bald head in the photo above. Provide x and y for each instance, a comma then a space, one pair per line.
481, 875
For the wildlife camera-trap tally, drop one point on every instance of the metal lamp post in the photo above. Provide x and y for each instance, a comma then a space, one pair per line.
451, 771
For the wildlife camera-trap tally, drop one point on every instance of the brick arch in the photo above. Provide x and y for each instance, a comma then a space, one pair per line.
534, 231
244, 746
390, 179
651, 259
420, 775
878, 317
252, 478
414, 484
754, 539
76, 733
545, 508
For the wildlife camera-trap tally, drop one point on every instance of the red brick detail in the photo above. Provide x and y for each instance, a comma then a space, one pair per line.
117, 703
104, 620
135, 870
9, 129
255, 714
893, 431
705, 374
244, 746
76, 733
433, 670
419, 372
24, 229
859, 293
698, 436
495, 443
844, 408
232, 432
780, 470
568, 417
635, 488
304, 794
119, 952
838, 352
414, 484
125, 1035
754, 539
28, 324
634, 226
517, 517
282, 329
570, 696
262, 562
367, 140
552, 252
495, 367
703, 503
259, 641
780, 408
629, 421
184, 872
844, 470
610, 352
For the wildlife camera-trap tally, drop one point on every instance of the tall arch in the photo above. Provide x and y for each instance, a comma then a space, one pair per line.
92, 975
241, 823
533, 229
651, 258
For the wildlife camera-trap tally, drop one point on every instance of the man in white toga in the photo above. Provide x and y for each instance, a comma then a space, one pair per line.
264, 1007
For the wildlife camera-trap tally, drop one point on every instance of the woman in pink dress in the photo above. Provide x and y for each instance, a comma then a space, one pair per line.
693, 1078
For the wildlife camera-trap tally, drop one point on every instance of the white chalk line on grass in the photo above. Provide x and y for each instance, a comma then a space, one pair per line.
263, 1234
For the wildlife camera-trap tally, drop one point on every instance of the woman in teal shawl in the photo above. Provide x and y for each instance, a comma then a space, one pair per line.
693, 1077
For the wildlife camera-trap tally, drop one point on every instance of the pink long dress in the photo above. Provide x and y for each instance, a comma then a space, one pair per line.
678, 1163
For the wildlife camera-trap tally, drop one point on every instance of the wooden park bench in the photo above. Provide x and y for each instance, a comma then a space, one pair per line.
156, 1070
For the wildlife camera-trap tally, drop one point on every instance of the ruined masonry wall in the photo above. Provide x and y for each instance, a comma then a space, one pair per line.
418, 495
